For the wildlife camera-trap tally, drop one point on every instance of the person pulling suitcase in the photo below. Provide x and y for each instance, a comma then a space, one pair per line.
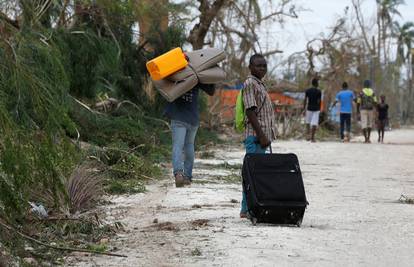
260, 122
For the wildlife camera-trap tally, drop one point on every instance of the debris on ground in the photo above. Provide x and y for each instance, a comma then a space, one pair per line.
200, 223
406, 200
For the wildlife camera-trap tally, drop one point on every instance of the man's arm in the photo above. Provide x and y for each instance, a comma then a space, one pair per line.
251, 116
387, 110
304, 104
320, 100
208, 88
358, 103
334, 103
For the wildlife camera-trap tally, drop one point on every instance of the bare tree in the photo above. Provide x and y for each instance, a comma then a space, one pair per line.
238, 27
208, 12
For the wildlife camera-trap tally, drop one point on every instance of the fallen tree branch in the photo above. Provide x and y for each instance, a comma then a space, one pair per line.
147, 177
10, 228
144, 116
118, 106
54, 219
85, 106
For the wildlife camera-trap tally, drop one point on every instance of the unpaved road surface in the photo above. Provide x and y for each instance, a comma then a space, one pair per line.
354, 217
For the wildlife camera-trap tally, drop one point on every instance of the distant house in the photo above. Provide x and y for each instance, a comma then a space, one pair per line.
282, 93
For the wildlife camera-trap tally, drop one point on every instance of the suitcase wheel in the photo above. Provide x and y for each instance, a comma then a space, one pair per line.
254, 220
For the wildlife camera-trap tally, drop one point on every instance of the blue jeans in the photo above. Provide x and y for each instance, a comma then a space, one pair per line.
183, 136
345, 124
252, 145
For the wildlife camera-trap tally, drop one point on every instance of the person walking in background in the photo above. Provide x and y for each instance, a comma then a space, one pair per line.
366, 104
184, 116
382, 119
260, 128
345, 98
312, 106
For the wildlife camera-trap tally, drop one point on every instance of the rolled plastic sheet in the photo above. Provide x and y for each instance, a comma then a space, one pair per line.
202, 68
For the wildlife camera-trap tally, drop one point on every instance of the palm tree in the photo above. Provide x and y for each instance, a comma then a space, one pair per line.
405, 38
405, 42
386, 10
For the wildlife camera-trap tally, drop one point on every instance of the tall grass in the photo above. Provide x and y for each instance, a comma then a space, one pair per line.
84, 187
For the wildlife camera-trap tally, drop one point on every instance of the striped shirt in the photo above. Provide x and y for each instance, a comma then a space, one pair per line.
255, 95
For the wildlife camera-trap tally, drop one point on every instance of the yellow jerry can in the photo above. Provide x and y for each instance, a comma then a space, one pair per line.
166, 64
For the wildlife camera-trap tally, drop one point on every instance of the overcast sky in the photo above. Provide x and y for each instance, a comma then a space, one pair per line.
320, 15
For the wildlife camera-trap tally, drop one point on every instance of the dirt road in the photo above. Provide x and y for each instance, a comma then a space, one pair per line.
354, 217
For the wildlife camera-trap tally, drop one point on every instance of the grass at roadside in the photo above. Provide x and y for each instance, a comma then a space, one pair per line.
233, 178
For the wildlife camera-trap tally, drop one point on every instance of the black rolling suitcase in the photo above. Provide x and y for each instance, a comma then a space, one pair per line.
274, 188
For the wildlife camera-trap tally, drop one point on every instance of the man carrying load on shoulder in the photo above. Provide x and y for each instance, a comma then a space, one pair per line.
366, 103
260, 124
184, 116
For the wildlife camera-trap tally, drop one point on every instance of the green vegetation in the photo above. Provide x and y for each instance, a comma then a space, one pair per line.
233, 178
35, 152
56, 149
